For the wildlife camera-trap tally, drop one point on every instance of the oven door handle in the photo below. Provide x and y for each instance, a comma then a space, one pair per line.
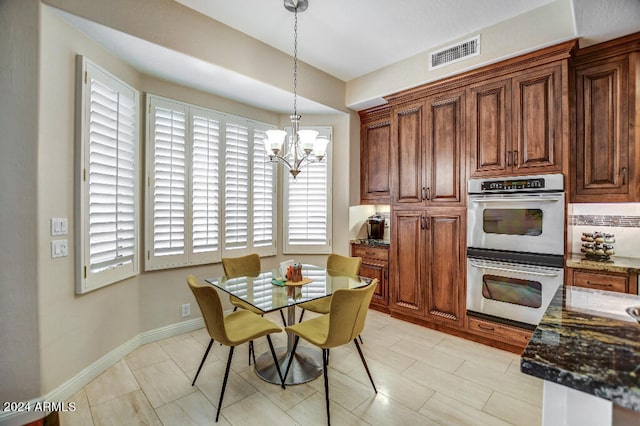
495, 268
524, 200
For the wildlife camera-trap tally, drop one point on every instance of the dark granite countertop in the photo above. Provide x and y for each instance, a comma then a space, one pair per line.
371, 242
586, 341
623, 265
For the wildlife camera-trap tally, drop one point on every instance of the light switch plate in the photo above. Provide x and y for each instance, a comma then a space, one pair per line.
59, 248
59, 226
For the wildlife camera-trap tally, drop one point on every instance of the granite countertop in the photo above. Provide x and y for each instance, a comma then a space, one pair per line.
586, 341
371, 242
616, 264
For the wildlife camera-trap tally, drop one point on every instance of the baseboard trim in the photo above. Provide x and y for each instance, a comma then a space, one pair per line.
80, 380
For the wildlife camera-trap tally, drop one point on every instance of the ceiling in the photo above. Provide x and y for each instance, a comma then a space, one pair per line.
347, 39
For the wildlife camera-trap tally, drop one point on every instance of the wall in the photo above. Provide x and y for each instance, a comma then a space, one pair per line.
19, 62
541, 27
620, 219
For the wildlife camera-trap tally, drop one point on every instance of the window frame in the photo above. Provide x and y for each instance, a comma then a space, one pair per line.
86, 280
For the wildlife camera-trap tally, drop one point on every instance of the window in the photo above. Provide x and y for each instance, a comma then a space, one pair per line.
211, 190
307, 200
107, 178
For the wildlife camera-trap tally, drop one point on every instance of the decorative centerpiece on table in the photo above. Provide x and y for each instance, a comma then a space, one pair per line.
597, 246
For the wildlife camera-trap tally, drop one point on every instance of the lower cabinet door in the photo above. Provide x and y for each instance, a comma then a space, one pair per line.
406, 285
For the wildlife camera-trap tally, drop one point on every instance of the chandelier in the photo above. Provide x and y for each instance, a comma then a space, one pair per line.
304, 146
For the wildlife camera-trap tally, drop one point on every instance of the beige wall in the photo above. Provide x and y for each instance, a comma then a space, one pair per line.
541, 27
19, 345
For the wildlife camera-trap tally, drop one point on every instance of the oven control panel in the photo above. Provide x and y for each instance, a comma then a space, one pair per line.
511, 185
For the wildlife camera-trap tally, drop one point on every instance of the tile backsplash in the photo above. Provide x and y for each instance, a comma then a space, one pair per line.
620, 219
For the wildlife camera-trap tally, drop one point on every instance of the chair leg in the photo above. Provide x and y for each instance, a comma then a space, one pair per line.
366, 367
202, 362
224, 382
360, 337
284, 321
301, 315
251, 352
325, 362
275, 361
293, 354
235, 308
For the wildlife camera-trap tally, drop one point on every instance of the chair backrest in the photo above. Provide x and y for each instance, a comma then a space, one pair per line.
211, 308
248, 265
348, 312
343, 265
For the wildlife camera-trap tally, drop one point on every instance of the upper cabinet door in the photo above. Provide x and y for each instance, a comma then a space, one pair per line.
537, 120
602, 131
489, 128
445, 148
375, 160
408, 153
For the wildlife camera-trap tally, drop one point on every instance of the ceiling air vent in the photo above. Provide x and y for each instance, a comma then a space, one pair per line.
455, 53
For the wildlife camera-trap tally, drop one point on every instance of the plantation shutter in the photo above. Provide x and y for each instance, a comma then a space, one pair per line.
307, 200
169, 153
107, 201
263, 193
205, 177
236, 186
112, 177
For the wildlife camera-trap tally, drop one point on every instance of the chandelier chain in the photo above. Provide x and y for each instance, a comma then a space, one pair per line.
295, 62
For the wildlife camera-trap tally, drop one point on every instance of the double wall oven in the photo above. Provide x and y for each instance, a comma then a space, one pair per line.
515, 247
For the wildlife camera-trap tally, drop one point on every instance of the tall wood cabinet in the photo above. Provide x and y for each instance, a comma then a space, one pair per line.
516, 122
427, 151
607, 114
428, 251
375, 156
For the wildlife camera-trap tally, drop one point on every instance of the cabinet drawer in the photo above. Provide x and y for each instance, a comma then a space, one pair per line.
369, 252
598, 281
511, 335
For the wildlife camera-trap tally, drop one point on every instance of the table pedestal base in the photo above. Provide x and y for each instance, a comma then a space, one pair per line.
306, 365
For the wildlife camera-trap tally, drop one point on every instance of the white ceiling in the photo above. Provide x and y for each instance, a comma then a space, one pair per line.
345, 38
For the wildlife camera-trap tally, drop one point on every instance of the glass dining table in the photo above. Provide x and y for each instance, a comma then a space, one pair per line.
261, 292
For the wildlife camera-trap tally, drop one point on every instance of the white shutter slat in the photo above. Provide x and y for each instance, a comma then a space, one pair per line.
236, 185
112, 177
169, 183
263, 193
205, 195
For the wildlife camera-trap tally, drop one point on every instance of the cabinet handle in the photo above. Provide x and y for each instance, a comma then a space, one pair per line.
624, 175
423, 194
426, 223
515, 158
599, 284
486, 328
428, 193
508, 158
370, 253
422, 222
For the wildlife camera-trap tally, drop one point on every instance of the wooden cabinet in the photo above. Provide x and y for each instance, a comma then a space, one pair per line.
601, 280
517, 337
606, 115
427, 151
375, 264
427, 265
516, 123
375, 157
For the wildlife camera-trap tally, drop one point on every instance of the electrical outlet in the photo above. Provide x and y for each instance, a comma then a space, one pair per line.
186, 309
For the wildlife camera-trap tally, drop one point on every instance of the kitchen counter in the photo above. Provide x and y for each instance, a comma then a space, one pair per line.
587, 342
623, 265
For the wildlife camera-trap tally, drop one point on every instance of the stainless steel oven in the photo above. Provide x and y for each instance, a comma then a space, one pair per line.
517, 214
515, 247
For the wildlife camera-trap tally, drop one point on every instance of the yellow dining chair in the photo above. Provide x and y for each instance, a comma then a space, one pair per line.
344, 322
249, 266
232, 330
336, 265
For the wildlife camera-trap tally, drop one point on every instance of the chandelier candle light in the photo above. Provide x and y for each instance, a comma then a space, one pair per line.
304, 146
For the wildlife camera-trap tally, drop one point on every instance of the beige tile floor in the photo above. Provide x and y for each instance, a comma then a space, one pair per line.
423, 377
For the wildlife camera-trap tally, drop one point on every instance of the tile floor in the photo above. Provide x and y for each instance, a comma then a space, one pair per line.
423, 377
